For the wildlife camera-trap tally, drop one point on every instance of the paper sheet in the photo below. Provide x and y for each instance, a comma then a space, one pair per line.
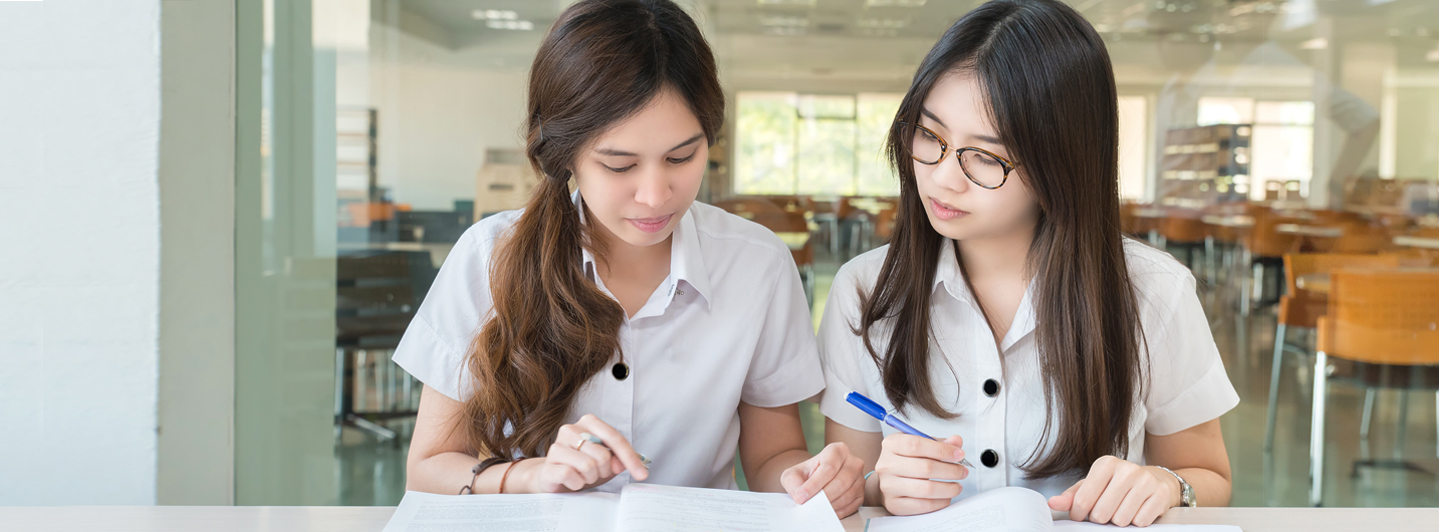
1071, 526
997, 510
427, 512
652, 508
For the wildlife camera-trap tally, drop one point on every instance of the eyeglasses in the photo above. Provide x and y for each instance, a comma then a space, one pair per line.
982, 167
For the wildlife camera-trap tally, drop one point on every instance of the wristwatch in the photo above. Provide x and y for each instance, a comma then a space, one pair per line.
1186, 492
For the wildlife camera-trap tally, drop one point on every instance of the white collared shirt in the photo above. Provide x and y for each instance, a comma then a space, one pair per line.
1188, 385
729, 324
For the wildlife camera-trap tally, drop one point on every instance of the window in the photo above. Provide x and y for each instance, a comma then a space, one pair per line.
1133, 121
1283, 143
790, 143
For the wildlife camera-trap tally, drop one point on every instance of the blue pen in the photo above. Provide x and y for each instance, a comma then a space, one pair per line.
872, 408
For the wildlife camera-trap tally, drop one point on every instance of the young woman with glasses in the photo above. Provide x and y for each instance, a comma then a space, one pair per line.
1008, 315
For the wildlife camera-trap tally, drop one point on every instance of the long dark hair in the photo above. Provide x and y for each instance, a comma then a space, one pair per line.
552, 328
1050, 90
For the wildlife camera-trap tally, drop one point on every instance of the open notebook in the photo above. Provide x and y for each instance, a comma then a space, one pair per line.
637, 508
1005, 510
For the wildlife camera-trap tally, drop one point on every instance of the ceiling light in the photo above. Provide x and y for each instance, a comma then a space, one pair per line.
894, 3
494, 14
882, 23
783, 22
520, 25
1319, 43
786, 2
781, 30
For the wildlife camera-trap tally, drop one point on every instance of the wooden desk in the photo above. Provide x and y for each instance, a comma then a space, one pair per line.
373, 519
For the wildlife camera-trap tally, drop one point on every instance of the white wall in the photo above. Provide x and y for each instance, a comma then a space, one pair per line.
440, 109
79, 207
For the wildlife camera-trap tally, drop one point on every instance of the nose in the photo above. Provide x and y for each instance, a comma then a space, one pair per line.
654, 189
949, 175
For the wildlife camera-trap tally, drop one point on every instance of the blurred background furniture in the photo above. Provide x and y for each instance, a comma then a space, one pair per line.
1300, 308
1381, 331
377, 294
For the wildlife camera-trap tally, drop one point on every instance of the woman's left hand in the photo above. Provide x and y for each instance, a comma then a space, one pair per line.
1119, 492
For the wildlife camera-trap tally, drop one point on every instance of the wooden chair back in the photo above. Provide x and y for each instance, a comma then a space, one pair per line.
1383, 317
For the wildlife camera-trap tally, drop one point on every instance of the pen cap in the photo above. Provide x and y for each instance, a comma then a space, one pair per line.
864, 403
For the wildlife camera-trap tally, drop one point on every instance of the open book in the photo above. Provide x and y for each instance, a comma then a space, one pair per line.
1005, 510
637, 508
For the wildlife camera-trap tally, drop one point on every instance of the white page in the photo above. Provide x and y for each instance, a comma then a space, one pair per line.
1071, 526
652, 508
579, 512
996, 510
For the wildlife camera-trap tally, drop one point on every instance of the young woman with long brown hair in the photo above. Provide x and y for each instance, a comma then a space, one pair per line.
1008, 314
560, 339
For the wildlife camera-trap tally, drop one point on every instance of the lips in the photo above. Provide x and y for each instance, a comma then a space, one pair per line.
651, 225
944, 211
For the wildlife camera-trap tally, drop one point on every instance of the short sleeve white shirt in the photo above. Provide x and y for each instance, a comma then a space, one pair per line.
729, 324
1187, 382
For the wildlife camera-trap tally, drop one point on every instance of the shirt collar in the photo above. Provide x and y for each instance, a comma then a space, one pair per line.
951, 275
686, 257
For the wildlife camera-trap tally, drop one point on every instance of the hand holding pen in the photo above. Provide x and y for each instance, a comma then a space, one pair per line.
585, 455
916, 473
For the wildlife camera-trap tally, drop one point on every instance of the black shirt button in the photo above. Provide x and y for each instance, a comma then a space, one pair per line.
991, 387
989, 458
620, 371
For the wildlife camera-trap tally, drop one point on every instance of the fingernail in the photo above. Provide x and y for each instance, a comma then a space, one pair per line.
801, 496
959, 454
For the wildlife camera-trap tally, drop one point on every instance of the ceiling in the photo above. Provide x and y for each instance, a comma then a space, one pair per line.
929, 18
866, 40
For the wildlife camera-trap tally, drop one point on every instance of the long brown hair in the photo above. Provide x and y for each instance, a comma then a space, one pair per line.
552, 328
1050, 90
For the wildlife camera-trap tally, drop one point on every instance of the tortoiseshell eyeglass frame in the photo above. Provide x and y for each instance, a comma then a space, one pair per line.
944, 146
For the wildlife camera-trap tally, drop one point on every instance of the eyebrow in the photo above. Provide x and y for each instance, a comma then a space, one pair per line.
986, 138
931, 116
619, 153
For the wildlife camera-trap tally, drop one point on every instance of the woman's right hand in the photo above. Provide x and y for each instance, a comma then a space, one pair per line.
912, 472
567, 466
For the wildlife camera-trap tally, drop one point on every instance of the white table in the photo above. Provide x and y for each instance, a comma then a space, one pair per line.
795, 240
1417, 242
373, 519
1235, 221
438, 251
1309, 230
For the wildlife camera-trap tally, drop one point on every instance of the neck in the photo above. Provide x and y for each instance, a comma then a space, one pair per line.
998, 256
627, 259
